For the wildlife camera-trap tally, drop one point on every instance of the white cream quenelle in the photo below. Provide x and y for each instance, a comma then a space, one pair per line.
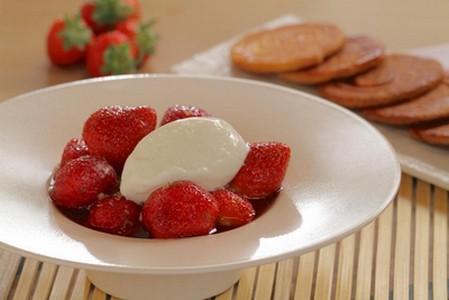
206, 151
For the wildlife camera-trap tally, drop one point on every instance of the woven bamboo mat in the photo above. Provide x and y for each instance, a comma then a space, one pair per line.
401, 255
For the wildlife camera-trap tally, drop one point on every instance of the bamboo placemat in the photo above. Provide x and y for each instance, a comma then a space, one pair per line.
403, 254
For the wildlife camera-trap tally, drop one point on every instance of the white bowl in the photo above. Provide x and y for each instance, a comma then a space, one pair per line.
342, 174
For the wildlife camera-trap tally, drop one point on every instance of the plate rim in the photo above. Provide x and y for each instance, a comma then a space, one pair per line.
339, 235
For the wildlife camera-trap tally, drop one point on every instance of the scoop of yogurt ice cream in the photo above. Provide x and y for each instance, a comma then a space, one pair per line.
206, 151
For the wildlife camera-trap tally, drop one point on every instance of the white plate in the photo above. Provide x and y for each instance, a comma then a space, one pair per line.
424, 161
342, 174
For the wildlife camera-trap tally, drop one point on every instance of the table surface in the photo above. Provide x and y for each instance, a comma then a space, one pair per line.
402, 254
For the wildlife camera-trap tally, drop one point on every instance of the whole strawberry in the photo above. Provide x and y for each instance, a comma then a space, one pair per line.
234, 211
79, 182
141, 36
103, 15
67, 41
177, 112
114, 214
180, 209
75, 148
111, 53
112, 132
263, 170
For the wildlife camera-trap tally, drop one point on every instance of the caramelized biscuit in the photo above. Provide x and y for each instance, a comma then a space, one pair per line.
359, 54
432, 106
377, 76
399, 77
287, 48
436, 135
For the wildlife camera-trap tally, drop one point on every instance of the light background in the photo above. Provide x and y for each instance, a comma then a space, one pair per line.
187, 27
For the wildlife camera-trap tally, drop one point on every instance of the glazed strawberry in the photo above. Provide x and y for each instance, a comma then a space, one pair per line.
75, 148
67, 41
79, 182
234, 211
177, 112
114, 214
112, 132
141, 35
180, 209
263, 170
103, 15
111, 53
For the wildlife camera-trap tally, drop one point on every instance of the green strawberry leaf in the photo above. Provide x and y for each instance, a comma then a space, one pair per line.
109, 12
146, 40
75, 33
117, 59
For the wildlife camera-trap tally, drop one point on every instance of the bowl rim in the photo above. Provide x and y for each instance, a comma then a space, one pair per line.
319, 243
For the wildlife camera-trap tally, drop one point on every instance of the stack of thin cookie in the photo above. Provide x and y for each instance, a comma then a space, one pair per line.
354, 72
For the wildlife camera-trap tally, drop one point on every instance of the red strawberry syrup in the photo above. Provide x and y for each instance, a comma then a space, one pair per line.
80, 215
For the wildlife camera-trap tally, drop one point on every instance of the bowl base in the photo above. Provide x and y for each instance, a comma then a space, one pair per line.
166, 287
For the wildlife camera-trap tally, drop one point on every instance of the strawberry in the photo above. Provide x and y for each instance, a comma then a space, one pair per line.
103, 15
75, 148
263, 170
234, 211
111, 53
79, 182
112, 132
177, 112
180, 209
114, 214
141, 35
67, 41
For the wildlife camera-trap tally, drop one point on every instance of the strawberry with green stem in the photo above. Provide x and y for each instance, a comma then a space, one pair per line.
111, 53
103, 15
67, 41
142, 35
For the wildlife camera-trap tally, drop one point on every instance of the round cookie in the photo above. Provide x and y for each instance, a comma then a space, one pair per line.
359, 54
436, 135
432, 106
446, 77
377, 76
287, 48
397, 78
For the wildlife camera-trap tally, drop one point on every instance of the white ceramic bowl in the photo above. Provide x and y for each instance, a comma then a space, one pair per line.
342, 174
